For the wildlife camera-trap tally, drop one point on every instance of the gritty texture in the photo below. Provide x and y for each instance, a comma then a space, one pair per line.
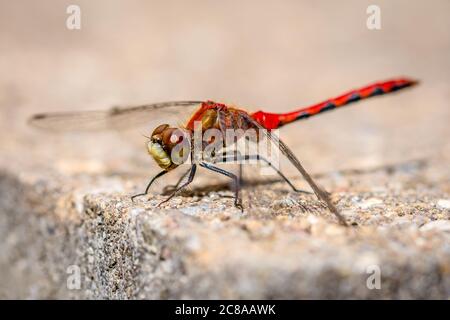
284, 245
65, 208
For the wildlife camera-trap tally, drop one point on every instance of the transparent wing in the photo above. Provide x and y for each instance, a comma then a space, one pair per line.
118, 118
320, 193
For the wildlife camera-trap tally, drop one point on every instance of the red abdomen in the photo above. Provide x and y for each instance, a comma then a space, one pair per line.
274, 120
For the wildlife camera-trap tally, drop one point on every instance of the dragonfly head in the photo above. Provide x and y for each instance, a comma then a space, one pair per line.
162, 141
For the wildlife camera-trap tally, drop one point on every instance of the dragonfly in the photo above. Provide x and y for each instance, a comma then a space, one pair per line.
212, 115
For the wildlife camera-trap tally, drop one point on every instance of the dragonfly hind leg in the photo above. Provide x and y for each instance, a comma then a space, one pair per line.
184, 185
281, 174
258, 157
237, 200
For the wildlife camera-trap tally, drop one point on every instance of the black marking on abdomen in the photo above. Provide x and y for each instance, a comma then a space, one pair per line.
328, 106
303, 116
398, 87
377, 91
353, 98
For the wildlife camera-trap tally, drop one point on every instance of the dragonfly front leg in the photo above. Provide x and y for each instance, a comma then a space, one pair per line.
237, 201
184, 185
149, 184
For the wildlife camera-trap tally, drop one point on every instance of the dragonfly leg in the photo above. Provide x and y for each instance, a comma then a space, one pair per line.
258, 157
149, 184
281, 174
320, 193
191, 171
237, 201
171, 188
241, 178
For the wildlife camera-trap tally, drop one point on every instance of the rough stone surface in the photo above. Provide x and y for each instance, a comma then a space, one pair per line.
284, 245
64, 199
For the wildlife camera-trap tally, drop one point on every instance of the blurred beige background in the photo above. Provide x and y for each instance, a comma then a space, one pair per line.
274, 55
64, 197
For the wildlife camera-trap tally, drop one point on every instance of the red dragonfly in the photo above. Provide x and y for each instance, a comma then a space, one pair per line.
212, 115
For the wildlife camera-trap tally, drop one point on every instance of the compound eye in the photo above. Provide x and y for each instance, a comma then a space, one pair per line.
171, 136
159, 129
